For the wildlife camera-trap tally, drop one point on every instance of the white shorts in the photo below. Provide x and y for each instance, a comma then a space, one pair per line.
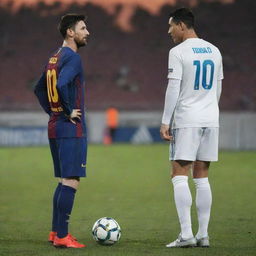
195, 144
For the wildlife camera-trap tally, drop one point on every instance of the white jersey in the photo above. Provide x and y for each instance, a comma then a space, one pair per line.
198, 64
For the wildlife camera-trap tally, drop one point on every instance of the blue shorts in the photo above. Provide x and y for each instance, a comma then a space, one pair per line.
69, 156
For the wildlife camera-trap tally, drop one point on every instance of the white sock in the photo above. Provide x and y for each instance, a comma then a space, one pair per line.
203, 205
183, 201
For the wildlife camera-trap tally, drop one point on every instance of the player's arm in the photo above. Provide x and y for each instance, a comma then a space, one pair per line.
67, 75
40, 91
219, 89
175, 70
171, 99
219, 82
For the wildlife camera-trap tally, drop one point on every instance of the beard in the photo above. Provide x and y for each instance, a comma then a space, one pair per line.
80, 42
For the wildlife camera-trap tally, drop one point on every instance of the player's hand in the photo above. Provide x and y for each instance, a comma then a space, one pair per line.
165, 132
75, 114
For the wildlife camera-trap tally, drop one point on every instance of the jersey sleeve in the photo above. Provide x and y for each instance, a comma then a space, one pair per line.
171, 98
220, 75
174, 65
67, 74
41, 93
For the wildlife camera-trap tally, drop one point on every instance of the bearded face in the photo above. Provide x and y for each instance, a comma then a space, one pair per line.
81, 34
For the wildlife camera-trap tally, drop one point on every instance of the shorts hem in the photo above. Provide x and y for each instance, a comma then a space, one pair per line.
182, 159
187, 159
207, 160
84, 176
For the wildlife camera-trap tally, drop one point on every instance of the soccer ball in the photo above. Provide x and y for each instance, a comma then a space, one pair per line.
106, 231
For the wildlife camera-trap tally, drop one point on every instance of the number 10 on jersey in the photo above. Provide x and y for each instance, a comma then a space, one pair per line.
207, 67
51, 86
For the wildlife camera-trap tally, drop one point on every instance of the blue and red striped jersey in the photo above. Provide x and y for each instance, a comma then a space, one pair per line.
60, 90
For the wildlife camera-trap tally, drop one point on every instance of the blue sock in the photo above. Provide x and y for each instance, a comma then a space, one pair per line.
65, 205
54, 207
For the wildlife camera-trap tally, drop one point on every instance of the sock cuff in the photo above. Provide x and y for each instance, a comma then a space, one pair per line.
179, 179
68, 188
201, 182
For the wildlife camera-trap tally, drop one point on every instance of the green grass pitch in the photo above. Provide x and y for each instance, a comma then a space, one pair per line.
131, 184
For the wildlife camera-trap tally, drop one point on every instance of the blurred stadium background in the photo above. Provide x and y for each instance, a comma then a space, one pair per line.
125, 64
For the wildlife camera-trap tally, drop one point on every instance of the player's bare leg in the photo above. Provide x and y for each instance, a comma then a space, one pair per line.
180, 167
203, 200
183, 202
73, 183
200, 169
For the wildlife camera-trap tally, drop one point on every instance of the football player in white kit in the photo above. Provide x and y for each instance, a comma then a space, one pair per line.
195, 75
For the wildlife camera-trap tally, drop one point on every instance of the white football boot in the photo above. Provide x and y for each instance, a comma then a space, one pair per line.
182, 243
203, 242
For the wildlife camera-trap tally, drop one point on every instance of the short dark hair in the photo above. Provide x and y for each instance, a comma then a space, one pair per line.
184, 15
69, 21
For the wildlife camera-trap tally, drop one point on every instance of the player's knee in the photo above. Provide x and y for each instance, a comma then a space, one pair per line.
71, 182
200, 174
180, 167
179, 173
200, 169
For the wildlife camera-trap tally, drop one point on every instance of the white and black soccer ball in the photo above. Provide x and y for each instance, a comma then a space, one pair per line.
106, 231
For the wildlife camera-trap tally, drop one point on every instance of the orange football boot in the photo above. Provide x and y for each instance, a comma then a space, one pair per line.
67, 242
51, 236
